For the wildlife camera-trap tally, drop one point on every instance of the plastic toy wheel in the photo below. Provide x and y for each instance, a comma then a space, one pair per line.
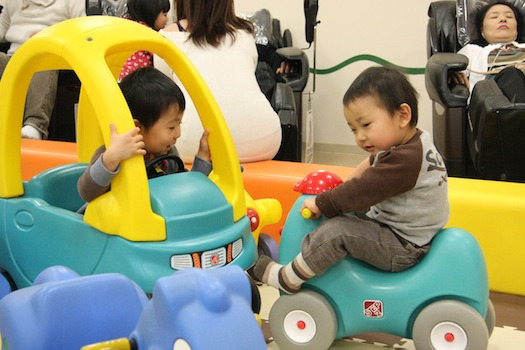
450, 324
5, 288
256, 296
305, 320
490, 318
268, 246
7, 282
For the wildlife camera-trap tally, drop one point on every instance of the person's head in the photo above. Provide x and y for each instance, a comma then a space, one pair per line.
380, 107
209, 21
498, 22
156, 104
153, 12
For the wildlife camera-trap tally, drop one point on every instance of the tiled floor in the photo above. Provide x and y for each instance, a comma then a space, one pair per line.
509, 333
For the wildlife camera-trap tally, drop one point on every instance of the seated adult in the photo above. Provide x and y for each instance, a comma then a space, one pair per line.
19, 20
222, 47
495, 53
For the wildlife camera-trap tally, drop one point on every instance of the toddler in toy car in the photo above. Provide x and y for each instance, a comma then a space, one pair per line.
157, 106
389, 209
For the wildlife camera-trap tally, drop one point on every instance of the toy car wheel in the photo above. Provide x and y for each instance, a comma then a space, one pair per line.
305, 320
256, 296
5, 288
7, 281
450, 324
268, 246
490, 318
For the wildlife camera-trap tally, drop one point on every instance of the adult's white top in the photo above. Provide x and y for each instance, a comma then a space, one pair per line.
229, 72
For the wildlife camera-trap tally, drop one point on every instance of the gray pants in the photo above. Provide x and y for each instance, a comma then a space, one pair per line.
362, 238
40, 98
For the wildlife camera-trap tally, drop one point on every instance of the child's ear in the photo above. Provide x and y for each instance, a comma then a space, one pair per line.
138, 124
405, 114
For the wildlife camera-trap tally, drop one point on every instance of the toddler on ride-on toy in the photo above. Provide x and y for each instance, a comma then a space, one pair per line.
340, 269
398, 196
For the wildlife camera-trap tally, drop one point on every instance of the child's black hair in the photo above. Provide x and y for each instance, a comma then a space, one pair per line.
149, 93
389, 86
147, 10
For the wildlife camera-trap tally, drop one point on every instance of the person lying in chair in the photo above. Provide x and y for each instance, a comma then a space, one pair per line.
496, 53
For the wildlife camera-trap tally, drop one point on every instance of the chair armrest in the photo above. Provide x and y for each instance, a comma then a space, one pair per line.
299, 78
437, 72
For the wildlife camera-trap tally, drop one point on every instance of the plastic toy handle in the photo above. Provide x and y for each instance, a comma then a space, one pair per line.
307, 213
117, 344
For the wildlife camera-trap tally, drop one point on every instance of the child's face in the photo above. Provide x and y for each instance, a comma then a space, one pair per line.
374, 128
161, 21
159, 138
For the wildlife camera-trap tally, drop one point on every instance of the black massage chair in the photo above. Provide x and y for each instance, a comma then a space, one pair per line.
481, 139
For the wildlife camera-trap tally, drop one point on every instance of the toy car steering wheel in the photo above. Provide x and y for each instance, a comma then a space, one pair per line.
153, 170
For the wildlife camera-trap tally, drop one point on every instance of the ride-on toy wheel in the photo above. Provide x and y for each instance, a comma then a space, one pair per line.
304, 320
490, 318
450, 324
256, 296
268, 246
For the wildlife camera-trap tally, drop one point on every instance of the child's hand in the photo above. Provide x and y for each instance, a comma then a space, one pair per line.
204, 148
122, 147
309, 203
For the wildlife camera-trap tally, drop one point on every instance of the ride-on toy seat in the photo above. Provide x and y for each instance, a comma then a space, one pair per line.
57, 186
482, 139
433, 302
69, 312
196, 309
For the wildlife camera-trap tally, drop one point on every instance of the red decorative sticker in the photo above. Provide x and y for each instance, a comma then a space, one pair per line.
373, 308
214, 259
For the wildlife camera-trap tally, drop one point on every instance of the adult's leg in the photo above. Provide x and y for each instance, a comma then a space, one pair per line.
41, 100
511, 81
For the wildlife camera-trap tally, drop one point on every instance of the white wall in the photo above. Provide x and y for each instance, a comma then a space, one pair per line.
391, 30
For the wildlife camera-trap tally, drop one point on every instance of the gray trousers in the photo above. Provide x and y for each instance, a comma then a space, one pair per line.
40, 98
362, 238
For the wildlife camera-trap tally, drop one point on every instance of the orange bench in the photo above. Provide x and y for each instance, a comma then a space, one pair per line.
38, 156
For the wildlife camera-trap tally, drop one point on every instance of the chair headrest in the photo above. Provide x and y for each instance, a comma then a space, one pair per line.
262, 23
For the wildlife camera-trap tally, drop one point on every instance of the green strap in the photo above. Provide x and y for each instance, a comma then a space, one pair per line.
383, 62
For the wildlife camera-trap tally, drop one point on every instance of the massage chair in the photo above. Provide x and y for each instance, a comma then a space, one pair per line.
479, 136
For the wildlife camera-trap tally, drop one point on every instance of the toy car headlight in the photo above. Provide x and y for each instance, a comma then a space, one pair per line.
208, 259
